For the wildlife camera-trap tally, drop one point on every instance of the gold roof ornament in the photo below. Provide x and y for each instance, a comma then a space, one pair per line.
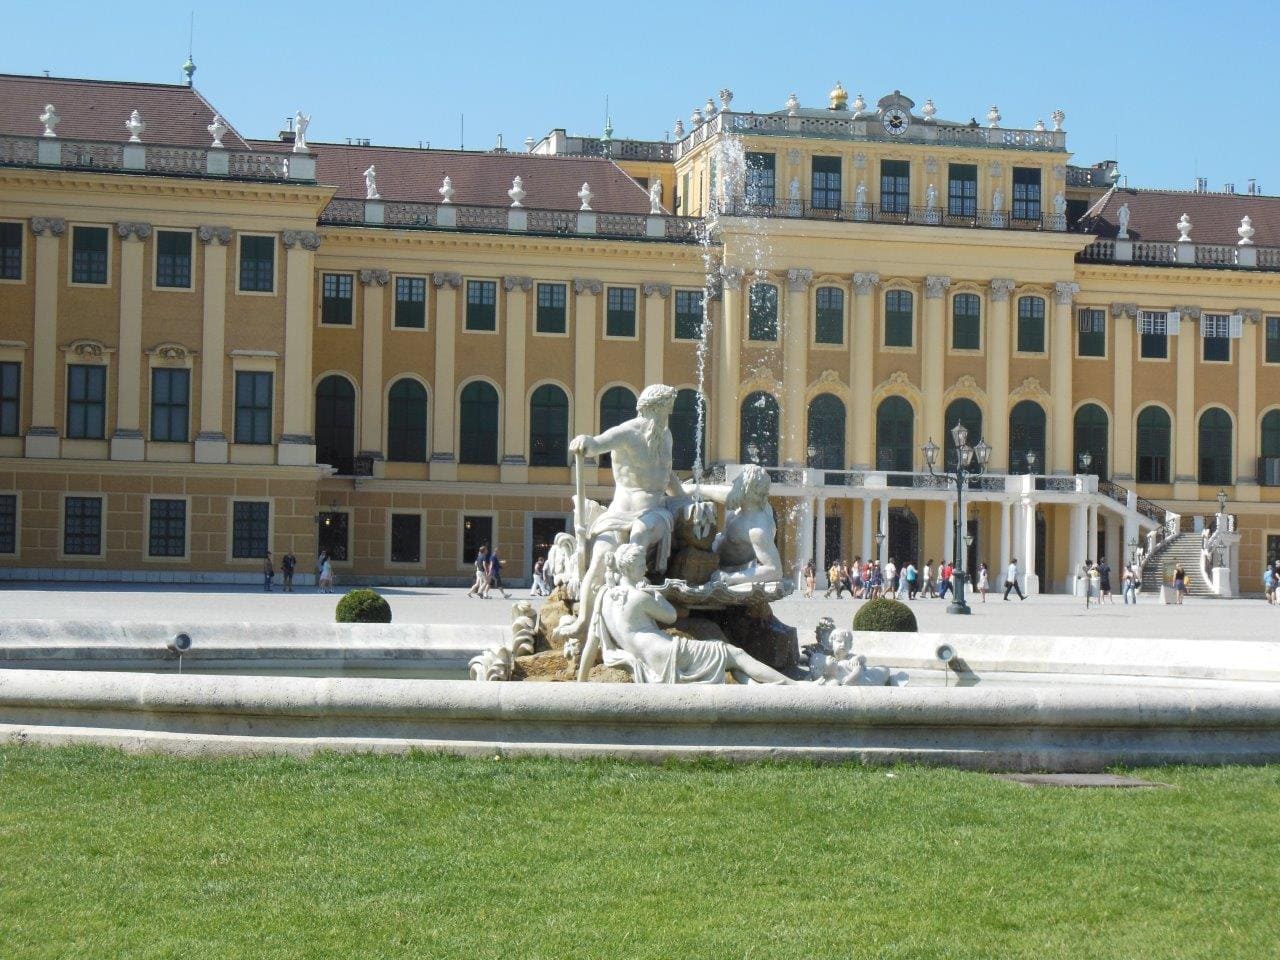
839, 97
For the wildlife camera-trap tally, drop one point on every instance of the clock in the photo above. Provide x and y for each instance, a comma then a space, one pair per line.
895, 121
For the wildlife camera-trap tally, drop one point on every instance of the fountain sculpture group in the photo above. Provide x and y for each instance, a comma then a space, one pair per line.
647, 590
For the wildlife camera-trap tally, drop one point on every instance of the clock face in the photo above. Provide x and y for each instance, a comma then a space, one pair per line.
895, 122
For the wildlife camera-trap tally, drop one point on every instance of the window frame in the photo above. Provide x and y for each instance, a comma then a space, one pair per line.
338, 276
609, 312
1215, 321
561, 439
403, 431
758, 193
831, 192
1027, 203
953, 344
237, 406
396, 301
233, 556
71, 368
108, 263
753, 303
170, 405
22, 252
13, 402
468, 562
1157, 318
1220, 477
911, 326
186, 528
481, 284
497, 426
1094, 314
901, 197
817, 341
421, 517
241, 290
16, 497
156, 285
551, 287
1270, 323
968, 204
86, 496
676, 314
1043, 318
1166, 460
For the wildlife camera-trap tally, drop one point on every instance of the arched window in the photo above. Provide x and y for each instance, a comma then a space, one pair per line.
407, 422
1154, 431
617, 405
1215, 447
829, 322
336, 423
1091, 438
1271, 434
895, 435
684, 430
478, 424
963, 411
759, 428
1026, 434
548, 427
1031, 325
826, 432
762, 312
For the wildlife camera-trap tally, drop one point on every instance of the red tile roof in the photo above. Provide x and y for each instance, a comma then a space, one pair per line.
97, 110
1215, 217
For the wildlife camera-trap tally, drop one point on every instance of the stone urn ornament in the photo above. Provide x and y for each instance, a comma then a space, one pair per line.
50, 119
1245, 231
217, 130
585, 196
726, 98
446, 190
793, 105
1184, 229
516, 193
1057, 117
993, 116
710, 109
928, 111
136, 127
859, 106
678, 129
1039, 127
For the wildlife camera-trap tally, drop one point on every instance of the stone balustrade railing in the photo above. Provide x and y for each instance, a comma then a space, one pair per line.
156, 158
1181, 254
813, 478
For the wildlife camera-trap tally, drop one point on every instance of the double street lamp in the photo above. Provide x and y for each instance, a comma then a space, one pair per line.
970, 462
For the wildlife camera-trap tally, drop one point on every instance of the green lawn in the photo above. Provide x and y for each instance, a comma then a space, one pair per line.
112, 856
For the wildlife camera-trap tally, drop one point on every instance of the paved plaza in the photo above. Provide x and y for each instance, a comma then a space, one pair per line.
1049, 615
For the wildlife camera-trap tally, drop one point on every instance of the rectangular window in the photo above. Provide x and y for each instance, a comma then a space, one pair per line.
253, 406
82, 526
335, 298
10, 251
411, 303
551, 310
167, 528
895, 186
688, 314
763, 312
89, 254
170, 405
406, 538
824, 189
86, 401
962, 189
897, 318
250, 529
829, 323
1215, 333
476, 533
1273, 340
620, 317
1091, 333
761, 186
258, 264
1030, 325
8, 523
1153, 328
173, 258
1026, 193
10, 397
966, 322
482, 305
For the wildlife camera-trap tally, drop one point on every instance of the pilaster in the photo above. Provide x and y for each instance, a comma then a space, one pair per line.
1246, 472
1185, 477
42, 436
515, 458
1060, 353
862, 338
656, 299
995, 426
1123, 316
444, 465
211, 440
374, 281
795, 366
297, 445
586, 295
126, 440
933, 341
728, 373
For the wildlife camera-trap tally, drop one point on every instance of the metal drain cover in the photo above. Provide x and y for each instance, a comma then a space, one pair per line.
1077, 780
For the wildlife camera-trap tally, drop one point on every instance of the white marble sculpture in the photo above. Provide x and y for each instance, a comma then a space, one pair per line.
993, 116
793, 105
931, 197
1122, 218
859, 106
997, 200
136, 127
628, 628
1059, 204
793, 189
833, 663
516, 193
928, 111
562, 565
696, 117
655, 197
300, 123
446, 190
747, 546
217, 130
1245, 231
726, 98
50, 119
1057, 117
1184, 229
678, 129
585, 196
1039, 127
371, 183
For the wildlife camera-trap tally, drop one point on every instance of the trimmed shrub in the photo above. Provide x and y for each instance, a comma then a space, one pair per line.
884, 614
363, 606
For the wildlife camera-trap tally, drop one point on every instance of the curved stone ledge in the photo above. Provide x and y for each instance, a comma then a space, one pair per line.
984, 728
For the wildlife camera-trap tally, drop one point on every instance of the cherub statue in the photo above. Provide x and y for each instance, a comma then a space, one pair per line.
747, 548
627, 627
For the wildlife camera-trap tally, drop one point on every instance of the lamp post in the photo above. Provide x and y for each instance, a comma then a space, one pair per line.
1222, 500
753, 452
966, 456
1085, 460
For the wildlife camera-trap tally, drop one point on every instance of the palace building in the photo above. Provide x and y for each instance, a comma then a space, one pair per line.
212, 346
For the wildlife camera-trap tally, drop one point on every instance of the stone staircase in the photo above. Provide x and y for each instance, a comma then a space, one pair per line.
1184, 549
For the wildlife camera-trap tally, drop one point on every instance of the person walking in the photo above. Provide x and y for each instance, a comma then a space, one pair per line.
984, 581
1269, 584
326, 575
809, 580
1104, 581
891, 578
927, 586
479, 588
268, 572
495, 574
1011, 580
833, 579
324, 555
287, 564
539, 586
913, 578
1179, 584
1129, 586
945, 572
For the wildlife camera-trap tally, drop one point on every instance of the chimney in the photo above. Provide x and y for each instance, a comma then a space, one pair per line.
1253, 186
1202, 184
1228, 188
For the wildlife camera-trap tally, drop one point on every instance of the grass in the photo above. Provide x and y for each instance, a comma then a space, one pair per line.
114, 856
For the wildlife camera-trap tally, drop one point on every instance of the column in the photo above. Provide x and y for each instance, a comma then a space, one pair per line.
373, 300
1032, 585
656, 296
727, 367
804, 546
865, 553
862, 340
1005, 540
211, 440
933, 342
1184, 445
995, 425
586, 294
795, 367
1060, 353
1076, 547
297, 445
948, 541
1123, 316
820, 551
884, 528
1130, 525
515, 430
126, 440
1091, 545
42, 436
444, 463
1246, 474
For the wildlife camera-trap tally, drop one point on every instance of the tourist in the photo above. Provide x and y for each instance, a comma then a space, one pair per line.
287, 564
1011, 580
846, 578
1092, 582
1269, 584
891, 578
912, 578
855, 579
944, 580
324, 555
539, 586
876, 576
833, 579
809, 580
326, 575
927, 587
1179, 584
495, 575
1129, 584
1104, 581
268, 572
984, 581
481, 587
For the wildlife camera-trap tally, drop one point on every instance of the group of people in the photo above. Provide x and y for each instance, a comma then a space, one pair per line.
488, 574
289, 563
867, 580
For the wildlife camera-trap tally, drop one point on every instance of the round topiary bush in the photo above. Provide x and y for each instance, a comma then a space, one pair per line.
363, 606
891, 616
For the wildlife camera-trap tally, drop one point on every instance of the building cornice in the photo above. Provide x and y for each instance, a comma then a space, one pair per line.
76, 181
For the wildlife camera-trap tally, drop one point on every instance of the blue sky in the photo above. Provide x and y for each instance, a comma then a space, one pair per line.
1174, 90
